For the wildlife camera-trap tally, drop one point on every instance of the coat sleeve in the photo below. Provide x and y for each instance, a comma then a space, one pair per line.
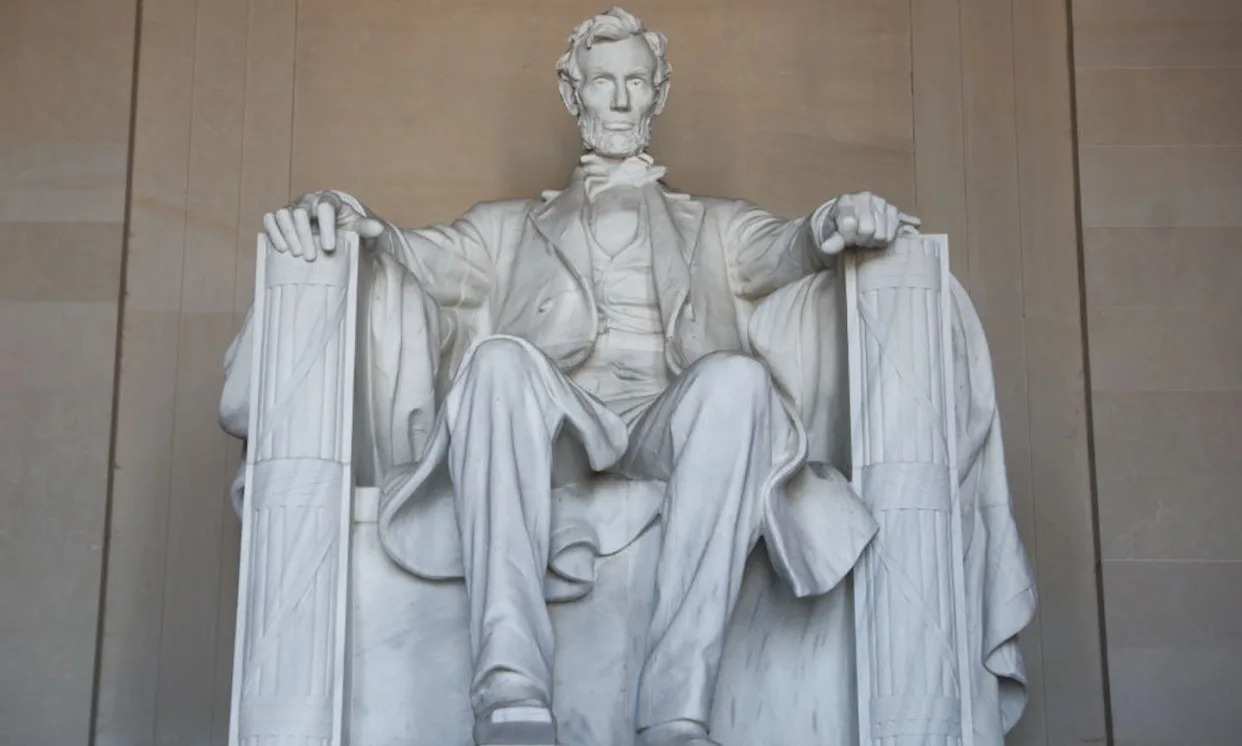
766, 253
452, 262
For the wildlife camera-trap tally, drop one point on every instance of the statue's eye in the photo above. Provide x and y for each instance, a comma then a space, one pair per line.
636, 83
600, 81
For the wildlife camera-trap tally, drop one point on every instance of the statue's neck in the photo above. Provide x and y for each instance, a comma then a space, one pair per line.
613, 160
600, 173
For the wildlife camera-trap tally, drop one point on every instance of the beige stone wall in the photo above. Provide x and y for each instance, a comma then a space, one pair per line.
959, 109
1160, 133
423, 108
65, 89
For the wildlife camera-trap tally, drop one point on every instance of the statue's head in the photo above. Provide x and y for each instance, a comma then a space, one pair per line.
614, 79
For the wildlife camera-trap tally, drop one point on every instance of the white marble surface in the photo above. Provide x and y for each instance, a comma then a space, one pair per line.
289, 658
785, 678
604, 398
910, 623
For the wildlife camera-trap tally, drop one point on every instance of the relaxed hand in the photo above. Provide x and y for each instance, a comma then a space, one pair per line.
309, 226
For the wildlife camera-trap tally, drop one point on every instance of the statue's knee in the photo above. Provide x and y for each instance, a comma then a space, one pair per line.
500, 370
726, 389
731, 375
503, 358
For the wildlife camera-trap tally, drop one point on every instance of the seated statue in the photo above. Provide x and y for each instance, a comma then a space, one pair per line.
618, 332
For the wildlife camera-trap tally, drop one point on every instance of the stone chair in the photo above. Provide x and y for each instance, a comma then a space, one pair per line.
336, 643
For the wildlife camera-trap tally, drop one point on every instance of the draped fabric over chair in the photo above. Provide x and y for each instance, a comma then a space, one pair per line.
788, 673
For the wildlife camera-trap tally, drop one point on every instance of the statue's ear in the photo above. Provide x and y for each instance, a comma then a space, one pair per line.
569, 95
661, 97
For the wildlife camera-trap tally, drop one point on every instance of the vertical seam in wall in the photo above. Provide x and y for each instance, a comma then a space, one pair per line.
961, 86
222, 561
1088, 396
1026, 371
106, 544
293, 81
185, 227
914, 109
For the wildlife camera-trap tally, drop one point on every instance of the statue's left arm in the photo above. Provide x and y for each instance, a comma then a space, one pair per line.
770, 252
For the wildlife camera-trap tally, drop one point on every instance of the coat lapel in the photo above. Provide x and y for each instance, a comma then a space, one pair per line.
674, 220
555, 218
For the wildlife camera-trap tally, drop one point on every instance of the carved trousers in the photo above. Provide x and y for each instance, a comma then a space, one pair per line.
710, 436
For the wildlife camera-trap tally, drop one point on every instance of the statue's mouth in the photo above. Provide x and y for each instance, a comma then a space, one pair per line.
618, 126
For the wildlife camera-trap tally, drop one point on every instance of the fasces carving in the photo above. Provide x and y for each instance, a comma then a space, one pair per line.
289, 660
909, 585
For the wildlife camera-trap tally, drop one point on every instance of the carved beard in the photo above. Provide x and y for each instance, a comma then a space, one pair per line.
613, 143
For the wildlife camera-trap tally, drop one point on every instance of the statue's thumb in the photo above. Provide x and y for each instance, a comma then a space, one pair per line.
834, 244
369, 228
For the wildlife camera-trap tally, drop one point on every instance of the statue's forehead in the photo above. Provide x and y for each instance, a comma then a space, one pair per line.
631, 53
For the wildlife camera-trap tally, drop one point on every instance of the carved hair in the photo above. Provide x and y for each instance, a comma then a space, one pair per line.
615, 25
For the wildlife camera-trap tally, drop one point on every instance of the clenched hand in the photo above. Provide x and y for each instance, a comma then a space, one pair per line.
864, 221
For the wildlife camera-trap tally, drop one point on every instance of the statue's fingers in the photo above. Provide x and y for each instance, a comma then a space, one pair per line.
332, 200
891, 223
284, 219
909, 220
863, 202
847, 221
881, 223
272, 230
326, 218
329, 198
302, 221
866, 221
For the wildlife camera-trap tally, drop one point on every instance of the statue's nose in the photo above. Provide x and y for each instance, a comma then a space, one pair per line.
621, 99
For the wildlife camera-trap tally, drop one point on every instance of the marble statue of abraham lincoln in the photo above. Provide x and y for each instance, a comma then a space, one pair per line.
620, 315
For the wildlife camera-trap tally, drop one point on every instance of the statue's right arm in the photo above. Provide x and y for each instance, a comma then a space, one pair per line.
451, 262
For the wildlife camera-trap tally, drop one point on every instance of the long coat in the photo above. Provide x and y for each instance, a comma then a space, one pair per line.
521, 269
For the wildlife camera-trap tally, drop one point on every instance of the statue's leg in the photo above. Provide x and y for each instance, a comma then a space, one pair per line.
501, 420
712, 437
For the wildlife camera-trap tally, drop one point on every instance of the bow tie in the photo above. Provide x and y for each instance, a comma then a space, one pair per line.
600, 174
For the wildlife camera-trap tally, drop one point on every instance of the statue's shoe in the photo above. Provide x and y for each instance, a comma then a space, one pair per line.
675, 733
516, 725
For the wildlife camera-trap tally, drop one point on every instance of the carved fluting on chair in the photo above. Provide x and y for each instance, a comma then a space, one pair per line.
909, 584
289, 660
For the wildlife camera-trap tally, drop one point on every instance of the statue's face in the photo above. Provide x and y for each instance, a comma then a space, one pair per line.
618, 96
